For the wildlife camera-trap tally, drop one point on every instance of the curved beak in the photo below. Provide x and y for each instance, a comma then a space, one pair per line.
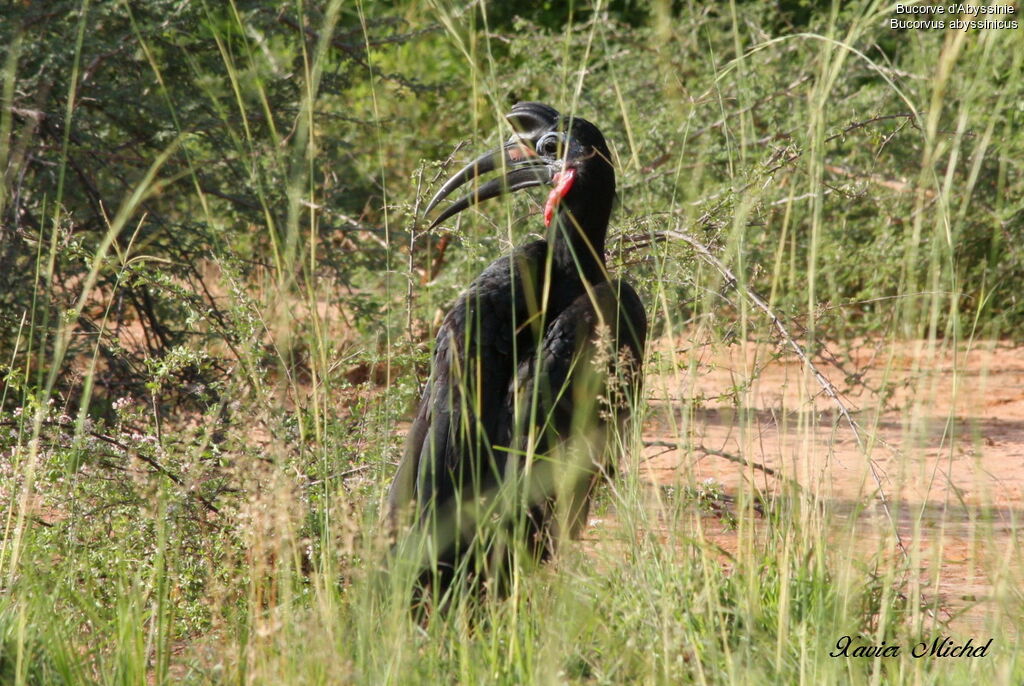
523, 169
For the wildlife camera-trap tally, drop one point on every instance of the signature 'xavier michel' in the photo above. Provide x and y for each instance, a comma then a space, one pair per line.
533, 369
940, 646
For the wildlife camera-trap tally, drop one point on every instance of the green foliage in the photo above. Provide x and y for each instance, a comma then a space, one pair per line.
216, 305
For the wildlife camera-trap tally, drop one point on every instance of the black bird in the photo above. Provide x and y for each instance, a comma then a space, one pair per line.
533, 367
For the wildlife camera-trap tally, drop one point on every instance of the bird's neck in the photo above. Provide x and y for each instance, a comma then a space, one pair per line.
579, 228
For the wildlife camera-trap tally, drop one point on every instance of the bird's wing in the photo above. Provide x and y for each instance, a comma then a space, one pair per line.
449, 445
601, 334
564, 399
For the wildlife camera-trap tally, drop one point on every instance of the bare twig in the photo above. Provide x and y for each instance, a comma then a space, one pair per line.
340, 475
433, 268
717, 453
909, 116
892, 184
410, 291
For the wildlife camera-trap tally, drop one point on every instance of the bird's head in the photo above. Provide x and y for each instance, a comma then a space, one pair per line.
547, 149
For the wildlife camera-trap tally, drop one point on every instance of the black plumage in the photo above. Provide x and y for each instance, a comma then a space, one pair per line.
533, 368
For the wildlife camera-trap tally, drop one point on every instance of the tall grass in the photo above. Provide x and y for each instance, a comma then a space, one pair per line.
865, 182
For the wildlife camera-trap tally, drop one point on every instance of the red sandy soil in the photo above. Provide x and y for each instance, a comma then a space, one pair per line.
943, 425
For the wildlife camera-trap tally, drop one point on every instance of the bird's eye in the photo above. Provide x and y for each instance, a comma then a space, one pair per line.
549, 144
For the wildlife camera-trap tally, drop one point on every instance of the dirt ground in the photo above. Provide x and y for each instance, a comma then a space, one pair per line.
943, 427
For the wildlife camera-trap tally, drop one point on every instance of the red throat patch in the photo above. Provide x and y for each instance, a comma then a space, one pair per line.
563, 181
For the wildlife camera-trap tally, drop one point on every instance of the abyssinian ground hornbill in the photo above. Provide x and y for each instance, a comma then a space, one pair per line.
534, 368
